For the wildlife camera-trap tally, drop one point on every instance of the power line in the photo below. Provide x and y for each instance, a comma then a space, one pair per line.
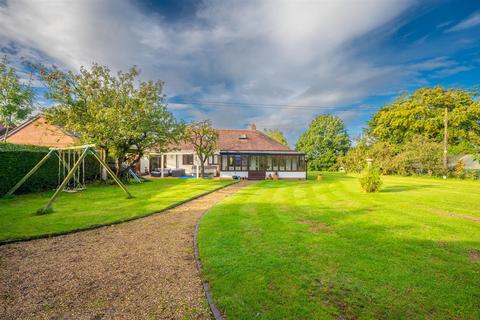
225, 104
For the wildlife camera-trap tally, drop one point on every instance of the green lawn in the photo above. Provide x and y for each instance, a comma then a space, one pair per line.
99, 204
324, 249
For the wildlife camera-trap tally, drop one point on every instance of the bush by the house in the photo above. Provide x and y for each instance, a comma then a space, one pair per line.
18, 160
370, 179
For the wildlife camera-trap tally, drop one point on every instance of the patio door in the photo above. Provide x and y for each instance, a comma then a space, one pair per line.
256, 168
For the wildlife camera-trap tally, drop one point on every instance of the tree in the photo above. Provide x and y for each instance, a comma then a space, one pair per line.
324, 141
15, 97
276, 135
423, 113
118, 113
382, 154
204, 140
419, 155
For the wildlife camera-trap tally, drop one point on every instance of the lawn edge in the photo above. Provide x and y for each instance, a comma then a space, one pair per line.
217, 314
98, 226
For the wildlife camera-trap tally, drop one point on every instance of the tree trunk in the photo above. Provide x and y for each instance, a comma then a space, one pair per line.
202, 166
104, 173
118, 166
202, 169
135, 161
5, 136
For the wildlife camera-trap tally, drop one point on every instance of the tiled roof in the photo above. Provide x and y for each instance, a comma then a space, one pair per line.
231, 140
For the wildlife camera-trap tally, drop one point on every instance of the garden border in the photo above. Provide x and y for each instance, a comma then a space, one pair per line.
98, 226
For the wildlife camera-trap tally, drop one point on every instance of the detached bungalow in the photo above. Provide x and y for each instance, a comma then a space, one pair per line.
248, 154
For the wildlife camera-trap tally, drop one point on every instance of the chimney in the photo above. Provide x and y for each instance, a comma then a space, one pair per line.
253, 127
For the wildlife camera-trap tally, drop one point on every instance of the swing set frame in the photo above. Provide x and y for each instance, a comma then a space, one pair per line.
86, 149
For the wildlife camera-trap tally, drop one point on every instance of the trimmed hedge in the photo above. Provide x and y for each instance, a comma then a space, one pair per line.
17, 160
6, 146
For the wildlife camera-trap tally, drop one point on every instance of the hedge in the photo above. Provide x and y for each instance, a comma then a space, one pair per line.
17, 160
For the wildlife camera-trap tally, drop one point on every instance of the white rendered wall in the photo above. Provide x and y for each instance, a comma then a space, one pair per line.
281, 175
288, 174
144, 165
172, 163
230, 174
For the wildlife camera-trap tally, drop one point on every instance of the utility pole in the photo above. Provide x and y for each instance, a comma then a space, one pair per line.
445, 143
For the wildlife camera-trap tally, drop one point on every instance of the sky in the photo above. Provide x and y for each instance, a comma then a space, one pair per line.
275, 63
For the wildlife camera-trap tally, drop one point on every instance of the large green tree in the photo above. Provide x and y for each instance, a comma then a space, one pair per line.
276, 135
324, 141
116, 112
423, 113
15, 97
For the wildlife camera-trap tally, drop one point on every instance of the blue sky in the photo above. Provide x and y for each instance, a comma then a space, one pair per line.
276, 63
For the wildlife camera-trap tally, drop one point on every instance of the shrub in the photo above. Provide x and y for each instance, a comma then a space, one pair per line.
460, 169
472, 174
370, 179
6, 146
419, 156
354, 159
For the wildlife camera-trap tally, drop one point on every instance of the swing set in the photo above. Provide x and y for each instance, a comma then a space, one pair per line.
71, 172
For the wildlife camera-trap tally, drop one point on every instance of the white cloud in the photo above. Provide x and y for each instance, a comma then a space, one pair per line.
278, 52
470, 22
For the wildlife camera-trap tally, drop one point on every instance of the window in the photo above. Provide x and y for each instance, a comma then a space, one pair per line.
281, 163
261, 163
288, 163
269, 163
244, 163
275, 163
294, 163
301, 163
253, 163
234, 162
213, 160
231, 163
238, 162
156, 162
224, 162
187, 159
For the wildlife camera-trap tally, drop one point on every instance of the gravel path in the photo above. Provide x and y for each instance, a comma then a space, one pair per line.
144, 269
